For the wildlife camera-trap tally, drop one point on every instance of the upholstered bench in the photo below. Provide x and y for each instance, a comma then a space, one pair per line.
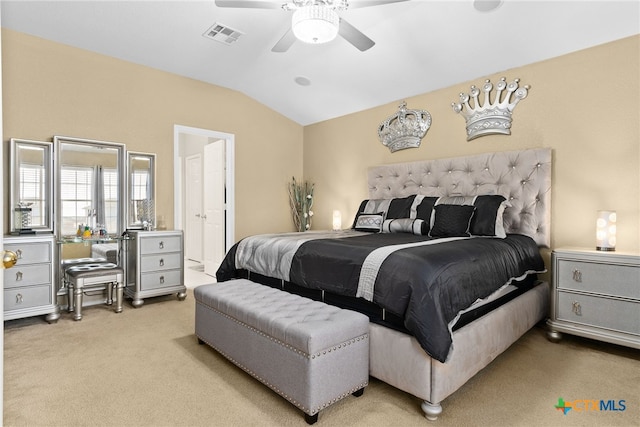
86, 277
311, 353
105, 250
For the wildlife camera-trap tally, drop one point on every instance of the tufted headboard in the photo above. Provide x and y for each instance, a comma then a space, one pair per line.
522, 177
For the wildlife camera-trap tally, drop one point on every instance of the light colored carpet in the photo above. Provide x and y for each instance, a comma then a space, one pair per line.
144, 367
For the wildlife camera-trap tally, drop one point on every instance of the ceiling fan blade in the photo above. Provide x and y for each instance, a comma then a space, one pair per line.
355, 36
285, 42
367, 3
248, 4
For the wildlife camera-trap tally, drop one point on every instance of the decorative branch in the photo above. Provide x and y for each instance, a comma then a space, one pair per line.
301, 201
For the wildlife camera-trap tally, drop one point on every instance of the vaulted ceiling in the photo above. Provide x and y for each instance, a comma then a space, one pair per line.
420, 45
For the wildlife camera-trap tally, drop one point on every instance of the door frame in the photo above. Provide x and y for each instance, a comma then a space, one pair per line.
229, 177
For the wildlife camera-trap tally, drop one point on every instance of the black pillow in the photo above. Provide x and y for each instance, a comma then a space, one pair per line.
487, 220
452, 221
423, 211
400, 207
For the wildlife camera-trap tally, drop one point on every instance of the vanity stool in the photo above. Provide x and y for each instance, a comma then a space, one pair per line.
94, 276
73, 262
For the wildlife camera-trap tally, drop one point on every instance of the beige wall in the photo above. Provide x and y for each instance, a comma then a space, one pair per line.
52, 89
585, 106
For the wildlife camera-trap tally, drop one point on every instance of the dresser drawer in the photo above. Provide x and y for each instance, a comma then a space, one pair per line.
161, 279
608, 279
27, 297
24, 275
160, 262
617, 315
29, 253
160, 244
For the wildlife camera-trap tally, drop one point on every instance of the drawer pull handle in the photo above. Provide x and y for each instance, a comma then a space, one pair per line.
161, 245
577, 308
161, 262
18, 298
161, 279
18, 276
577, 275
19, 253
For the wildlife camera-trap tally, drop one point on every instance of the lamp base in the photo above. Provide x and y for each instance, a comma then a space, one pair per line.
600, 248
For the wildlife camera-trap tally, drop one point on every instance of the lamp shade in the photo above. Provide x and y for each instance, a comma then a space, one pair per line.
337, 220
606, 231
315, 24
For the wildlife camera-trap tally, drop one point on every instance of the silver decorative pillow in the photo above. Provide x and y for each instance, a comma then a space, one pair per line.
405, 225
369, 222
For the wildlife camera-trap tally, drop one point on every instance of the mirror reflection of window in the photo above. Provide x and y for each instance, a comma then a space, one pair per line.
141, 209
89, 197
33, 191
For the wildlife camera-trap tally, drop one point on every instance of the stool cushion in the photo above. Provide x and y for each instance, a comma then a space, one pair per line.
93, 270
78, 261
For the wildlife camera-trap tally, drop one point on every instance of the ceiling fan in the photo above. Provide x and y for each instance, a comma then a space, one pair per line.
314, 21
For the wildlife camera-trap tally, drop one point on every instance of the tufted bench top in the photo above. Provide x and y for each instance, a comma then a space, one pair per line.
93, 270
306, 325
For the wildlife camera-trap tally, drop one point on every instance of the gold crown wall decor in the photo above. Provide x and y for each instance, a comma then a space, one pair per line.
492, 116
405, 129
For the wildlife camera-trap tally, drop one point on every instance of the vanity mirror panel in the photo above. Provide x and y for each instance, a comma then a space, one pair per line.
141, 170
90, 189
31, 194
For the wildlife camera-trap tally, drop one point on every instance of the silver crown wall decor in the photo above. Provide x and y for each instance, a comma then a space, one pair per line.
490, 117
405, 129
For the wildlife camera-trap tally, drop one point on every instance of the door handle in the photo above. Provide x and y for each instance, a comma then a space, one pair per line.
204, 217
9, 259
197, 215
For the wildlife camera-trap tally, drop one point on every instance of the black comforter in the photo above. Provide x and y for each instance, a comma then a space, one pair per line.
427, 285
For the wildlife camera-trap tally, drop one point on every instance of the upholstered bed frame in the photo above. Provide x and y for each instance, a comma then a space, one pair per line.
524, 179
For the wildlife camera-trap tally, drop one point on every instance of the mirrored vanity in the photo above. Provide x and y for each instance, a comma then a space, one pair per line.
77, 199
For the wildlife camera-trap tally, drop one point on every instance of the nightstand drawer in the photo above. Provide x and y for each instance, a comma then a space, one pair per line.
24, 275
160, 244
32, 296
608, 279
30, 253
160, 262
617, 315
161, 279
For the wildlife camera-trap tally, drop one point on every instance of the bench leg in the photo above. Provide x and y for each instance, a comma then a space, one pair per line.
77, 303
110, 287
69, 298
119, 296
358, 393
311, 419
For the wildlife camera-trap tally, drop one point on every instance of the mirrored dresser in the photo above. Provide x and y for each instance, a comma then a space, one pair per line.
154, 265
29, 285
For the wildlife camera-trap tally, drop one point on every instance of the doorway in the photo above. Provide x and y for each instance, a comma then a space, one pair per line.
204, 207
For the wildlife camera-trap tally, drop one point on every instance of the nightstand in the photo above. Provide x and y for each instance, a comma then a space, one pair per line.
155, 265
596, 295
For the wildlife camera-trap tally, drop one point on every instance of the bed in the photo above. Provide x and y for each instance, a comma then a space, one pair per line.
443, 257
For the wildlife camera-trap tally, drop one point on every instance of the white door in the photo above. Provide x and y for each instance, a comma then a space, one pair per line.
214, 206
193, 208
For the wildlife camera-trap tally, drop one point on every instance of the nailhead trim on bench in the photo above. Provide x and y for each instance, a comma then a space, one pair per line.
310, 411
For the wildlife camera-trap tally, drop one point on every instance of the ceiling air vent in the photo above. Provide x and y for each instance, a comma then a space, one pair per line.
223, 34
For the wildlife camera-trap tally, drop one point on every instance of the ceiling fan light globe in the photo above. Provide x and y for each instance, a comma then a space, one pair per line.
315, 24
